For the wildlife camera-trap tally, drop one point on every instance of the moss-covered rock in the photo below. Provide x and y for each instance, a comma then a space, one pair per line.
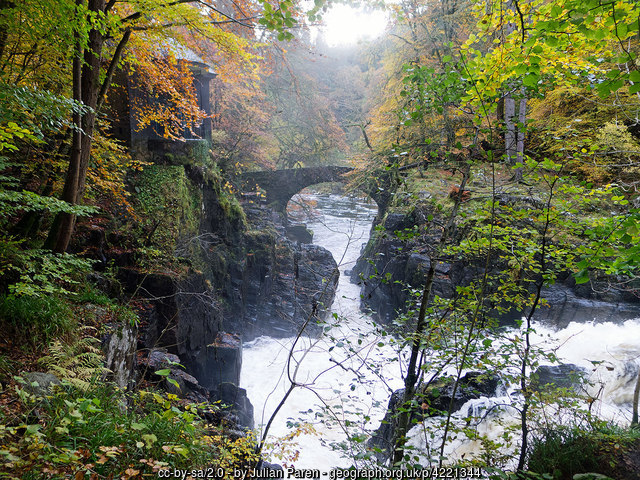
168, 207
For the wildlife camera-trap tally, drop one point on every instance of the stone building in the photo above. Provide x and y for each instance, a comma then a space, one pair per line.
149, 142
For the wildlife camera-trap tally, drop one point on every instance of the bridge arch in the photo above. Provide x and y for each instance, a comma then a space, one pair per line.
281, 185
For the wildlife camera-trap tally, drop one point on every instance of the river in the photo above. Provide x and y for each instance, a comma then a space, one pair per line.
347, 375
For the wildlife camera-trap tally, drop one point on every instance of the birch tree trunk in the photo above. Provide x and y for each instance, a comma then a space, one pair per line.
636, 398
510, 135
520, 132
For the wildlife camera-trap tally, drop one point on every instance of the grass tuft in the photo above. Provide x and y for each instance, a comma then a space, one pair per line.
35, 321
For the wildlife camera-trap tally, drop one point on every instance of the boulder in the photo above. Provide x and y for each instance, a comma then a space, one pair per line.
227, 350
473, 385
119, 346
159, 358
397, 221
565, 306
559, 376
187, 385
240, 409
299, 233
109, 286
40, 384
431, 400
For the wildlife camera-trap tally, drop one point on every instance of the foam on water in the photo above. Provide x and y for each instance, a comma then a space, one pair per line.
609, 353
333, 371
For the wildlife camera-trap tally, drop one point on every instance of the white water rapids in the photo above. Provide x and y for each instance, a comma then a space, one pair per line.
353, 370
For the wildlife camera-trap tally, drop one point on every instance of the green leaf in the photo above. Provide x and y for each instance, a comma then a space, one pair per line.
633, 230
149, 439
163, 373
32, 429
622, 30
520, 69
531, 80
551, 41
582, 277
75, 414
611, 74
617, 84
604, 90
181, 450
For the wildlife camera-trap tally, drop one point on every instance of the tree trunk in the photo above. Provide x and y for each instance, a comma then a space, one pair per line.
4, 5
510, 140
86, 87
636, 398
90, 91
522, 120
510, 135
520, 134
63, 222
402, 425
410, 382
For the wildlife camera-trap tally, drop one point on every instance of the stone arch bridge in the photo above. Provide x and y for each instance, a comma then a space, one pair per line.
281, 185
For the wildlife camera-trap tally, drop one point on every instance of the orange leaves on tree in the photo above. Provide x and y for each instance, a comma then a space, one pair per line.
167, 101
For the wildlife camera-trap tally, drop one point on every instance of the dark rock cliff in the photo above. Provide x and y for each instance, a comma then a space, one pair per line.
245, 279
279, 284
391, 264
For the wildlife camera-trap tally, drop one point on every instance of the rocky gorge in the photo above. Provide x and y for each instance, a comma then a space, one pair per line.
356, 240
262, 277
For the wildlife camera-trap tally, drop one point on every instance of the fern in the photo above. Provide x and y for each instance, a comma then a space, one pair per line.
78, 361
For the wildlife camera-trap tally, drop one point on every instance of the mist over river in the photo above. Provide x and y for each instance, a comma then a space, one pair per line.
346, 376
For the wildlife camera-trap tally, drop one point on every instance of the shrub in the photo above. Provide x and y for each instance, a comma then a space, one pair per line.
76, 361
563, 452
90, 294
93, 433
569, 451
